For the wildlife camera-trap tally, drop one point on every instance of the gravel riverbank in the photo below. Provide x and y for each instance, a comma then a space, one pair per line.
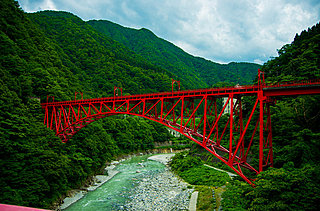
160, 190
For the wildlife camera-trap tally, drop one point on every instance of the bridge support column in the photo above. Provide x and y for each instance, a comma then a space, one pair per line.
204, 121
231, 129
265, 133
261, 132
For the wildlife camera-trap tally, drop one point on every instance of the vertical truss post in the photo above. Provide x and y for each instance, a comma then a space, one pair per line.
162, 105
231, 128
215, 119
261, 126
143, 106
181, 117
204, 121
128, 106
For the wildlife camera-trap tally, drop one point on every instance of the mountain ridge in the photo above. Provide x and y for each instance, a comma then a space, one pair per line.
100, 62
165, 54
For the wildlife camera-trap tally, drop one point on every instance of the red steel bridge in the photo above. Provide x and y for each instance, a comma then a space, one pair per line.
195, 114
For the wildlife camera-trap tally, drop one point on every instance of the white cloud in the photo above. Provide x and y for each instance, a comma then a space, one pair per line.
258, 61
48, 4
37, 5
219, 30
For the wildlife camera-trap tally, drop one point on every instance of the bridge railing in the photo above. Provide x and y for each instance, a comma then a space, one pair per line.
294, 83
186, 93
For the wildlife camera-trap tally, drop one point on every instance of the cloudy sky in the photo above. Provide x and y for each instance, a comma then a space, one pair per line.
218, 30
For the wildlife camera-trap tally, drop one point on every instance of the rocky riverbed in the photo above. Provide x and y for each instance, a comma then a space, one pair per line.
160, 190
138, 183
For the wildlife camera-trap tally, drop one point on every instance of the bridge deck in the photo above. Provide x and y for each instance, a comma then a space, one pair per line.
292, 90
288, 88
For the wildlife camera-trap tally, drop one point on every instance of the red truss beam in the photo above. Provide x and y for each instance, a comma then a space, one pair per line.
232, 139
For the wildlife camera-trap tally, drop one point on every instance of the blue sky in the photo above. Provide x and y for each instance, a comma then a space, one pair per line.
218, 30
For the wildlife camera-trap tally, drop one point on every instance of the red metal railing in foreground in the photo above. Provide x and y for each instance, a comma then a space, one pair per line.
194, 113
6, 207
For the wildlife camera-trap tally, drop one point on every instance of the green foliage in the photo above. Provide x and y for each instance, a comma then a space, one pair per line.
234, 196
182, 162
286, 189
134, 134
203, 175
192, 170
298, 60
205, 198
295, 139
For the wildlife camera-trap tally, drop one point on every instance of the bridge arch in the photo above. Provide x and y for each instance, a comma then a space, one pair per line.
70, 130
179, 111
194, 116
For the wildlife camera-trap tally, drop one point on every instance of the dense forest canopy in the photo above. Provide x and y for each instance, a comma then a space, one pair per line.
98, 61
36, 168
57, 53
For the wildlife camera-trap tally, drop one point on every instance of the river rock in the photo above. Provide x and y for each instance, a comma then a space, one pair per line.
160, 191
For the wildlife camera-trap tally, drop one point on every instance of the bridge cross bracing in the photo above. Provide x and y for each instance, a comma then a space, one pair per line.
195, 114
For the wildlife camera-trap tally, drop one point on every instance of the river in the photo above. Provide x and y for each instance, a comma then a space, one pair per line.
141, 184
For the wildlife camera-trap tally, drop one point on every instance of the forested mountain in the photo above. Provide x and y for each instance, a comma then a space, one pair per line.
98, 61
194, 71
298, 60
36, 60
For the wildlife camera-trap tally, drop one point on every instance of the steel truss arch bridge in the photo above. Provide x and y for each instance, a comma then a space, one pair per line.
196, 115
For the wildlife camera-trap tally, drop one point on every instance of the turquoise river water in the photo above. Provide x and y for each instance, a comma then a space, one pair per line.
113, 194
